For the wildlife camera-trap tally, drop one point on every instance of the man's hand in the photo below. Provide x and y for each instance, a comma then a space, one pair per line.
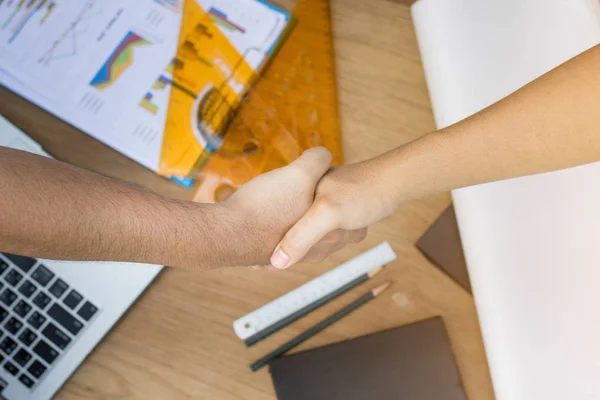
265, 208
347, 200
57, 211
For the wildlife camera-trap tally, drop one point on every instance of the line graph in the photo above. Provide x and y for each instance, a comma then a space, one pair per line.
66, 44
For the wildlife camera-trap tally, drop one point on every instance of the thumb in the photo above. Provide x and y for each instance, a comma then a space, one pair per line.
314, 163
308, 231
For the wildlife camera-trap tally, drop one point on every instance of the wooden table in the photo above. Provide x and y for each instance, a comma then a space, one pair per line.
177, 341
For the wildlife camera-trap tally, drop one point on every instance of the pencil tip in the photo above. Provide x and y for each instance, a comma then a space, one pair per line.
378, 290
375, 271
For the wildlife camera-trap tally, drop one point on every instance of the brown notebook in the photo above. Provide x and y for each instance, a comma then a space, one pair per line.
442, 245
412, 362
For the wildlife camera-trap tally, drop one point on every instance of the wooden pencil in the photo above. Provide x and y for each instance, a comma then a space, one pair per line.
320, 326
268, 331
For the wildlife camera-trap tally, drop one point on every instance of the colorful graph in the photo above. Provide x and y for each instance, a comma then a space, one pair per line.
220, 18
32, 7
161, 83
14, 14
173, 65
147, 103
118, 62
49, 10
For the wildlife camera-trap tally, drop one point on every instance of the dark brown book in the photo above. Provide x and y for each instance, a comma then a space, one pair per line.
441, 244
412, 362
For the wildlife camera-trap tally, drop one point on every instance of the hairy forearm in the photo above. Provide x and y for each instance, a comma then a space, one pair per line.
550, 124
53, 210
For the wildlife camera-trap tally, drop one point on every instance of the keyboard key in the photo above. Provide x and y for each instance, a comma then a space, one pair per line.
73, 299
87, 310
13, 277
36, 320
27, 289
42, 275
64, 318
24, 263
3, 313
8, 297
27, 337
1, 358
11, 368
8, 345
22, 308
36, 369
45, 351
58, 288
41, 300
56, 336
25, 380
3, 266
13, 325
22, 357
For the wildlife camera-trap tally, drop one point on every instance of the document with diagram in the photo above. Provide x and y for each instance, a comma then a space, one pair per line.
111, 67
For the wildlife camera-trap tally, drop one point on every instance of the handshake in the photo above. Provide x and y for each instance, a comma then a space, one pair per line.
304, 211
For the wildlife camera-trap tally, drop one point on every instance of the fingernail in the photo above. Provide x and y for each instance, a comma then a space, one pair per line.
279, 259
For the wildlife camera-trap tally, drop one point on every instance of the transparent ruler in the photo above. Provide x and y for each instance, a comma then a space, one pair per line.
311, 291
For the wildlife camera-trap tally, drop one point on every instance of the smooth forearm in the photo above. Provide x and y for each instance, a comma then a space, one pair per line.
548, 125
53, 210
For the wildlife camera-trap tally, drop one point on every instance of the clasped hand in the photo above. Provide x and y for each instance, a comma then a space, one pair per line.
307, 210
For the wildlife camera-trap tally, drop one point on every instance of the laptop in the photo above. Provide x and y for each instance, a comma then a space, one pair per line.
53, 313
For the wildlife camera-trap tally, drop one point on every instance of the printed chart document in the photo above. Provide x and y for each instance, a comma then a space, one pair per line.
107, 66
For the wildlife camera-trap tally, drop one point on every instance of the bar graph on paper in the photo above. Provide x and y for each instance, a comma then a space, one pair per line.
220, 18
19, 15
159, 91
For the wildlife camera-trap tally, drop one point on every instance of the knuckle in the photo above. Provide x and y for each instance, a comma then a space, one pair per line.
325, 205
324, 154
320, 152
301, 175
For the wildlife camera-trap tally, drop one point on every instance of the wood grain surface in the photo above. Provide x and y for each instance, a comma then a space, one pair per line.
177, 341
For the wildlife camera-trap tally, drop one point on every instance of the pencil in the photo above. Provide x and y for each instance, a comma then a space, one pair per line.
320, 326
268, 331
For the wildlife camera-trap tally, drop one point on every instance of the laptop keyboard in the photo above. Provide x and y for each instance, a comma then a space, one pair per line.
41, 315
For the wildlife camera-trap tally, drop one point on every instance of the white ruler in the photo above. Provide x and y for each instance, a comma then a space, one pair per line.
311, 291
